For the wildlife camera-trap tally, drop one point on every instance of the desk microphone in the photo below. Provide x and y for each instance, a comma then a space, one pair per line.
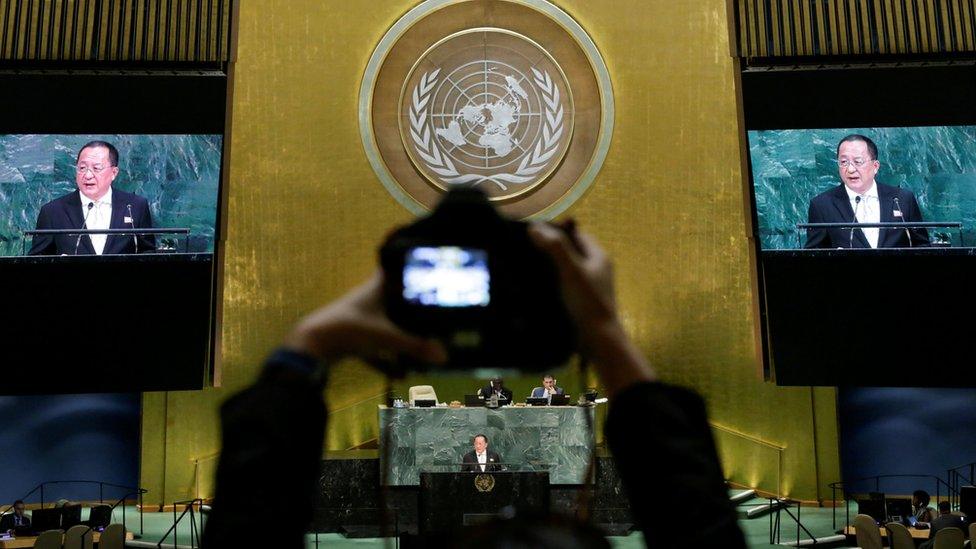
135, 239
901, 214
857, 203
84, 226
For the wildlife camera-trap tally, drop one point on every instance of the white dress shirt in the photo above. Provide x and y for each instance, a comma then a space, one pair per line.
868, 211
483, 459
99, 218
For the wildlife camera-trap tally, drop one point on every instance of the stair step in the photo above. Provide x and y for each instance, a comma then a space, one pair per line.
742, 496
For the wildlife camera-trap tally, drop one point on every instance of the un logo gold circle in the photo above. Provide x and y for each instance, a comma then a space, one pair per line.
487, 108
520, 106
484, 483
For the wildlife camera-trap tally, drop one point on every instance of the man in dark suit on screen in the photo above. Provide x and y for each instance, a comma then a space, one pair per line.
860, 199
95, 205
481, 459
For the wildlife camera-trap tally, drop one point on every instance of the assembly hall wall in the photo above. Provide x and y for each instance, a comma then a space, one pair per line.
306, 213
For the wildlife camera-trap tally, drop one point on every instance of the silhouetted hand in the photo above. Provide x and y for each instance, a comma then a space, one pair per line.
356, 325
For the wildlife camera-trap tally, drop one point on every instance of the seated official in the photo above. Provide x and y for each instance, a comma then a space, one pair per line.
945, 520
548, 388
496, 387
481, 459
16, 520
920, 507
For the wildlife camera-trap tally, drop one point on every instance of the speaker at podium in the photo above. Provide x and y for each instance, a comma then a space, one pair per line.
451, 500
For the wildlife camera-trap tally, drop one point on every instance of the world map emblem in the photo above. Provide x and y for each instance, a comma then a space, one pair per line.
487, 108
508, 96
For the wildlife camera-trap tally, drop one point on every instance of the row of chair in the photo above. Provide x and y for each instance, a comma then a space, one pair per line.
80, 537
869, 535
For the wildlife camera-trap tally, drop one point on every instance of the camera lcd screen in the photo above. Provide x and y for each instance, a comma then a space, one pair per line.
446, 276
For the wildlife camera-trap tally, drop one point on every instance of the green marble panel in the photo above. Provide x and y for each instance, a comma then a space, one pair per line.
557, 439
789, 167
178, 174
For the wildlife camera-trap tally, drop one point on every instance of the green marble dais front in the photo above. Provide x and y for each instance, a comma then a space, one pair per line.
558, 439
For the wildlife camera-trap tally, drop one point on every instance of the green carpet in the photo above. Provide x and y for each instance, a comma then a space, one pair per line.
817, 520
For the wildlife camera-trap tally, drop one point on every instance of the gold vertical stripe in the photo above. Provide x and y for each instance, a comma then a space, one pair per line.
960, 43
822, 29
805, 34
966, 10
925, 23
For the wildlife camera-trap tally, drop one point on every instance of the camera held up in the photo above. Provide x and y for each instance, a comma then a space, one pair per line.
474, 280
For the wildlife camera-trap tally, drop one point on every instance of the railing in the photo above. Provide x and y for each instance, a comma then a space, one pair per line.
907, 226
108, 232
842, 485
132, 491
775, 532
194, 531
197, 473
779, 449
956, 477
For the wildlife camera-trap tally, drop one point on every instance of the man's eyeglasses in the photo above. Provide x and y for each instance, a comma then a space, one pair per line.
857, 162
96, 169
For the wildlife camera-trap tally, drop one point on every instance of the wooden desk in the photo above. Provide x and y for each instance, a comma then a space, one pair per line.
915, 532
28, 541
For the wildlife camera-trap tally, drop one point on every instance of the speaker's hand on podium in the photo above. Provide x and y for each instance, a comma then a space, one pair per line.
356, 325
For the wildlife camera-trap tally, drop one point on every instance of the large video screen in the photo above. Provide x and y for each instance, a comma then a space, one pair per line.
896, 175
122, 182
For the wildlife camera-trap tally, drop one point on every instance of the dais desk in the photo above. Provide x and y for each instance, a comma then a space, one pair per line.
28, 541
915, 532
557, 439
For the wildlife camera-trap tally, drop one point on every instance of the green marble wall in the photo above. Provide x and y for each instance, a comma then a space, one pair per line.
557, 439
789, 167
177, 174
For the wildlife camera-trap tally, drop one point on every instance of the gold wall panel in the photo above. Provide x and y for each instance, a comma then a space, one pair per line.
306, 213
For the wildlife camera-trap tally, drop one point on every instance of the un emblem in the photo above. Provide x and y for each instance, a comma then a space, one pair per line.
444, 104
486, 111
484, 483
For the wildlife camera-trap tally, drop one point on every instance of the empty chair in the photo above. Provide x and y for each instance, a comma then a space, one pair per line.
868, 533
972, 534
49, 539
899, 536
421, 392
78, 536
113, 537
100, 516
949, 538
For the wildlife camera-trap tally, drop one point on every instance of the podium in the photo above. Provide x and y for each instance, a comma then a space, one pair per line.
450, 501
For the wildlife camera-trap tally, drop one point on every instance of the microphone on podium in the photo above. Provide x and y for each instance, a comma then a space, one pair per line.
857, 202
898, 213
135, 239
84, 225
